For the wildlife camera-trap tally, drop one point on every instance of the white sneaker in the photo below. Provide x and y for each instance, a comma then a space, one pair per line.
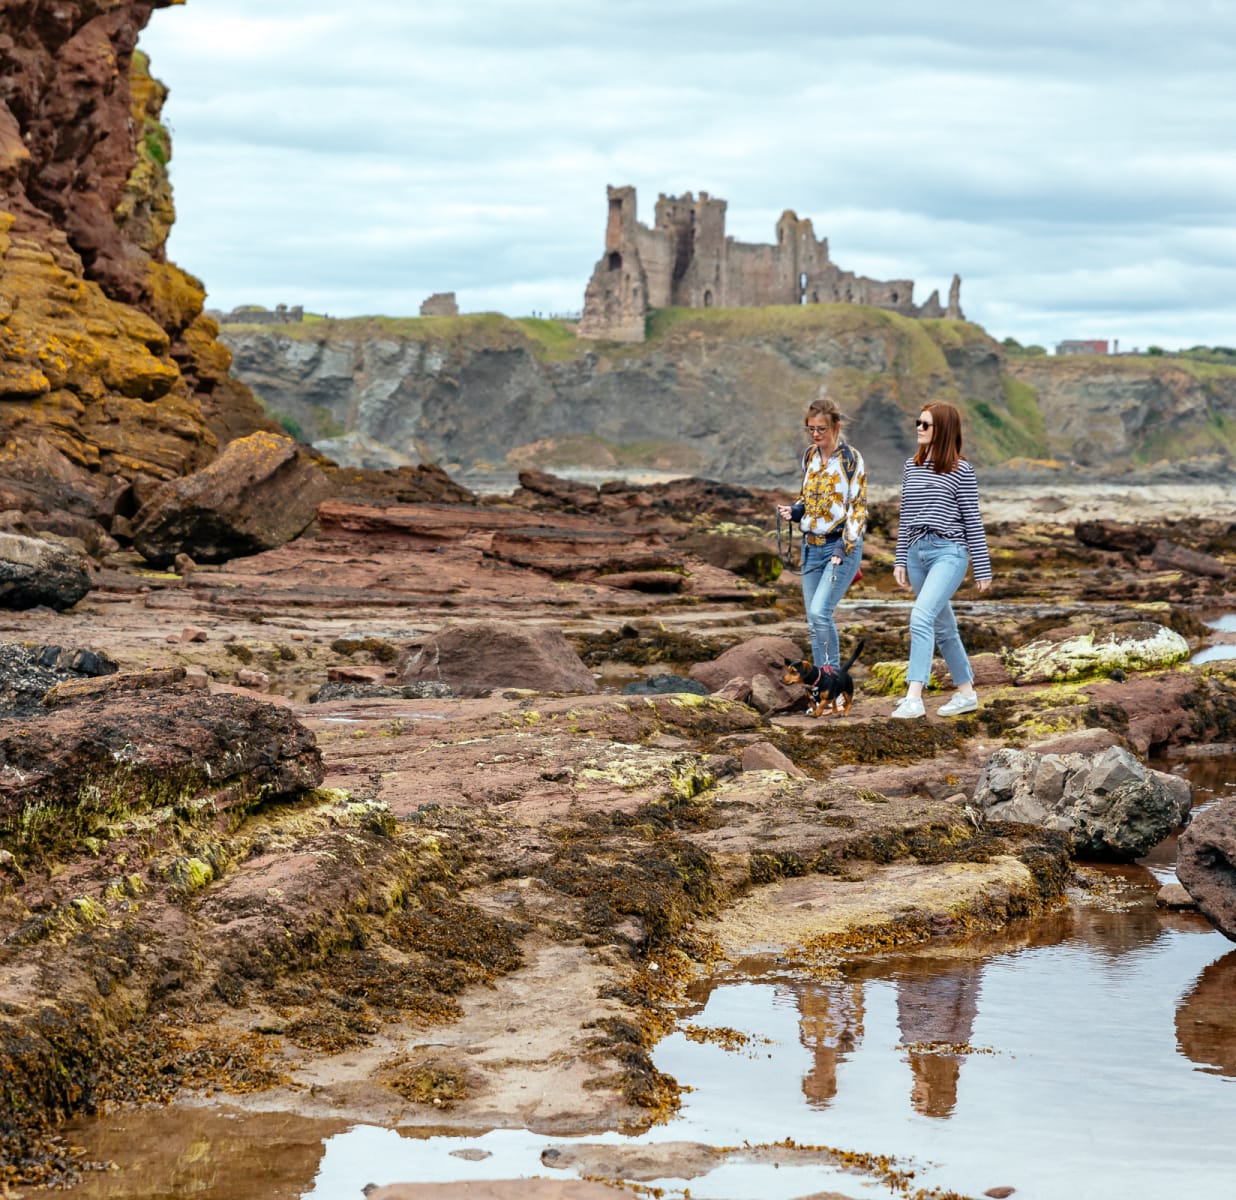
962, 702
908, 709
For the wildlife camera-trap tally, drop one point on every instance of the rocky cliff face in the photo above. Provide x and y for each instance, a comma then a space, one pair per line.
719, 393
109, 373
1132, 411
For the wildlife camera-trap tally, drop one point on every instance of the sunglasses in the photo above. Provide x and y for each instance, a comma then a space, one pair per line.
922, 424
819, 428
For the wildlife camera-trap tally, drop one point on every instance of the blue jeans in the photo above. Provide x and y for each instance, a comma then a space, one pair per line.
936, 568
823, 587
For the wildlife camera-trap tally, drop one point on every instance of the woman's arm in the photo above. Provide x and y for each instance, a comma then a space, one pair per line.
972, 524
855, 507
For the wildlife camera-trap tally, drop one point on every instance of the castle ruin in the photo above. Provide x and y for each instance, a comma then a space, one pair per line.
686, 259
440, 304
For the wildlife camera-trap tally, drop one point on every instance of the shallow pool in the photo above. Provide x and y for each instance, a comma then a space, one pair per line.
1091, 1054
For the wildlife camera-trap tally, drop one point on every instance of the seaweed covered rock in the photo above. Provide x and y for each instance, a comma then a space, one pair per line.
1112, 805
1206, 864
87, 766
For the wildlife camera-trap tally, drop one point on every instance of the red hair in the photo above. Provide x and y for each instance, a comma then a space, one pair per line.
944, 449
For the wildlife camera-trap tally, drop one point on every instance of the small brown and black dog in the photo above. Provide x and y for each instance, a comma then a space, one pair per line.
831, 688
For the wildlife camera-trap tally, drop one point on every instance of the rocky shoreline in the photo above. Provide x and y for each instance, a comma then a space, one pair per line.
282, 827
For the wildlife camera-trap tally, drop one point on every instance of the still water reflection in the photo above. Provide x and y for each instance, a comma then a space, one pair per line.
1089, 1054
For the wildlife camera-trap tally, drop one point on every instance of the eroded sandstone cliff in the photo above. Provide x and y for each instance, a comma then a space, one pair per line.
109, 372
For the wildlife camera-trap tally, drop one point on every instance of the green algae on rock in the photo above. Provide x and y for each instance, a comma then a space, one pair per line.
1135, 646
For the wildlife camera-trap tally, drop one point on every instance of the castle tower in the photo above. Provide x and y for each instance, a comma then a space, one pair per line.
616, 299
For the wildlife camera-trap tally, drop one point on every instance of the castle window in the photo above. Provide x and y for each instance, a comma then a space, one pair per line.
708, 299
615, 261
635, 292
894, 297
802, 288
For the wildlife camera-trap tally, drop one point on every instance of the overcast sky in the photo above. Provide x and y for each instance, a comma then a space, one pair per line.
1074, 162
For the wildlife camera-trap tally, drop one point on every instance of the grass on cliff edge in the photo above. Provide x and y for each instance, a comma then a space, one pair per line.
550, 340
919, 345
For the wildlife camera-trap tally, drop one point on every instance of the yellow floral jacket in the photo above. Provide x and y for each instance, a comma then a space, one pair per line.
834, 496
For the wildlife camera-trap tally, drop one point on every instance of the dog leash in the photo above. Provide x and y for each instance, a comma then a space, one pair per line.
785, 550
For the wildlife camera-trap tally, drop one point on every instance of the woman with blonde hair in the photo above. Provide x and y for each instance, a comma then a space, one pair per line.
831, 510
939, 537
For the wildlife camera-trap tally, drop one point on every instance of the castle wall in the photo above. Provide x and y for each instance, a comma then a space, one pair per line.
656, 252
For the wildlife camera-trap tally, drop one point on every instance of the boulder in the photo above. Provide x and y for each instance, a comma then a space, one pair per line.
261, 492
35, 572
1113, 806
1129, 646
1206, 864
475, 657
760, 657
737, 689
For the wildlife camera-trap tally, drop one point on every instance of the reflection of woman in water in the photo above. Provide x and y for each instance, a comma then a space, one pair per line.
936, 1007
830, 1027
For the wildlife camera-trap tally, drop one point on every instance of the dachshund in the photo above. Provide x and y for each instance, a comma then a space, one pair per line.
831, 688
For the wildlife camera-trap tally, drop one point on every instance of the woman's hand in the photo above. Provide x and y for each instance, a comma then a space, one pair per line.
784, 512
899, 574
982, 584
837, 560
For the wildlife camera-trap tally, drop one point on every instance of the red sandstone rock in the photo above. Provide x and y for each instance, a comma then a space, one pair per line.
475, 657
1206, 864
764, 756
737, 688
106, 357
760, 657
259, 493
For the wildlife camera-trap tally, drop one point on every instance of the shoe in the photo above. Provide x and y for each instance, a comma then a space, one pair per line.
908, 709
962, 702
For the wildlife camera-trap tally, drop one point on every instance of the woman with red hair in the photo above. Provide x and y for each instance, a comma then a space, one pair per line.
939, 538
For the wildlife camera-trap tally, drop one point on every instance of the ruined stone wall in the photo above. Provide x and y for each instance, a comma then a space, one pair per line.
656, 255
440, 304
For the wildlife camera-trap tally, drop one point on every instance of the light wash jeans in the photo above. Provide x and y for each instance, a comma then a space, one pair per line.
823, 587
936, 568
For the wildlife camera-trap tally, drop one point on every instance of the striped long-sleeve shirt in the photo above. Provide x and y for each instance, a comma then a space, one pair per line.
946, 505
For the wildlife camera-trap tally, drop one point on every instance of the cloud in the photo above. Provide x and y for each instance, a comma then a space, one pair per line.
1070, 161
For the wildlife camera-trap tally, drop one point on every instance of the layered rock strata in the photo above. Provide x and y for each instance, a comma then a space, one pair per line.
109, 373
